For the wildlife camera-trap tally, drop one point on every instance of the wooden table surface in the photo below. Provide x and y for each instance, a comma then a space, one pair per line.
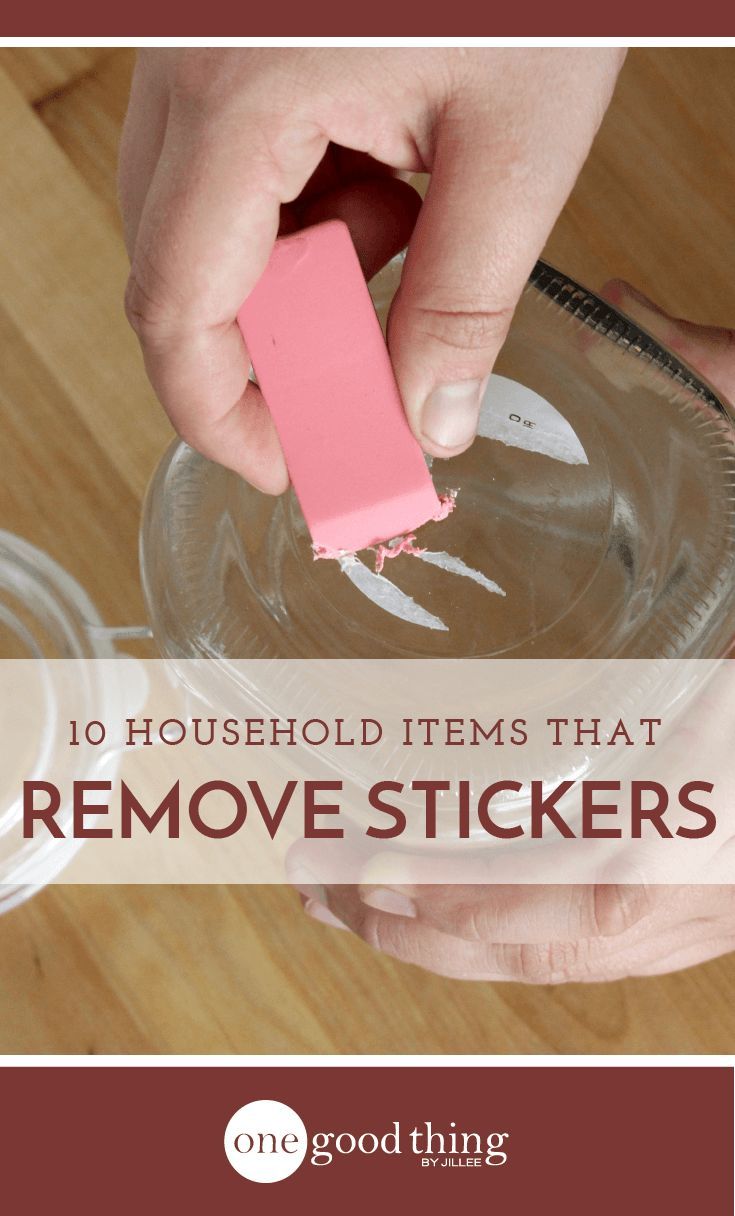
207, 969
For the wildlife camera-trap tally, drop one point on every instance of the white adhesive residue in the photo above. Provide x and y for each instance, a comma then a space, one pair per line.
520, 418
455, 565
386, 595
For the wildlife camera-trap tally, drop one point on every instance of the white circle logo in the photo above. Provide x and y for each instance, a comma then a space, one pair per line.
265, 1141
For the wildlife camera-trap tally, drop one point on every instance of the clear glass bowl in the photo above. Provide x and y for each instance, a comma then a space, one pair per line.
594, 518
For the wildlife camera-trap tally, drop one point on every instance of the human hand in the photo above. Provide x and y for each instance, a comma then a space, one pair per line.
551, 934
222, 148
537, 934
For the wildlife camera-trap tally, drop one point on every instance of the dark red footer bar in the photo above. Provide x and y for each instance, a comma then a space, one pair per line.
618, 1140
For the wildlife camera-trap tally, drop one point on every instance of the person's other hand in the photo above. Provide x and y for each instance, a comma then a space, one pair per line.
223, 148
537, 934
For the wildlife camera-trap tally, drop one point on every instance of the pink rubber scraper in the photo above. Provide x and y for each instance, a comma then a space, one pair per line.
318, 351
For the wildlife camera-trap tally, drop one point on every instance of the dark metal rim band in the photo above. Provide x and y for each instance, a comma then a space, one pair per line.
607, 321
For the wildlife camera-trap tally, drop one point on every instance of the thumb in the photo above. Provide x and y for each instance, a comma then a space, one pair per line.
708, 349
478, 235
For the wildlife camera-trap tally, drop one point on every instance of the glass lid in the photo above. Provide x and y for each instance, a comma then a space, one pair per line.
593, 518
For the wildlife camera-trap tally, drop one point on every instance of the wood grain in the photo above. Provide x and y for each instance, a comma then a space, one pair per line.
653, 203
225, 969
86, 120
40, 71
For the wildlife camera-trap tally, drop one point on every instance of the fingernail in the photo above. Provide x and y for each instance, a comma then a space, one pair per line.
632, 293
384, 899
450, 413
306, 883
319, 911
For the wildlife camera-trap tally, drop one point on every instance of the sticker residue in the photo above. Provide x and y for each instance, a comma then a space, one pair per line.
385, 594
518, 417
455, 565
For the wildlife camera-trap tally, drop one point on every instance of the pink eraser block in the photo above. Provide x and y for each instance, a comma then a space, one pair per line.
322, 364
